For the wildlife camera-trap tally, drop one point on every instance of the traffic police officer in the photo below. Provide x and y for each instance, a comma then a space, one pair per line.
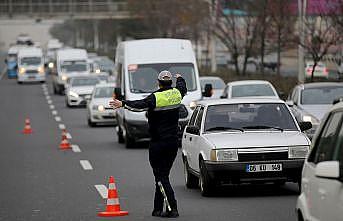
163, 116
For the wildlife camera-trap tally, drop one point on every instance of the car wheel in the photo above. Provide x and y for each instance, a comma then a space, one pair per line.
90, 123
42, 82
20, 82
300, 216
190, 179
54, 89
205, 182
129, 142
67, 103
120, 135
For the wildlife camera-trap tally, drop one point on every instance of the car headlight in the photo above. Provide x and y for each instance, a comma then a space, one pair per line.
73, 94
298, 152
193, 104
22, 70
224, 155
101, 108
64, 77
40, 70
97, 71
51, 65
309, 118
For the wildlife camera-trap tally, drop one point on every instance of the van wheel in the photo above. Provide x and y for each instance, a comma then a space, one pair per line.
120, 135
190, 179
54, 89
206, 183
300, 216
20, 82
129, 142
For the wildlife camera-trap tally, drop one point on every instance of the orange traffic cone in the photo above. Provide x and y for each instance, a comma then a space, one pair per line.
27, 128
113, 206
64, 145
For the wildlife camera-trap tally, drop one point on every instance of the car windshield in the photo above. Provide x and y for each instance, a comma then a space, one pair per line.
74, 66
84, 81
30, 61
249, 116
143, 78
103, 92
251, 90
105, 64
216, 83
322, 95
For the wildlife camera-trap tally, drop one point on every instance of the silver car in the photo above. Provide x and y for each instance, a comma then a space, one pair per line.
79, 90
310, 102
98, 109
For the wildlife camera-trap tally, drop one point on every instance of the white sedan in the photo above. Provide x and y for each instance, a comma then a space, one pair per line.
242, 141
249, 88
98, 107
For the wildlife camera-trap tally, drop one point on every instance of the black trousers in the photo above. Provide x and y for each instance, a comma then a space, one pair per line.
162, 154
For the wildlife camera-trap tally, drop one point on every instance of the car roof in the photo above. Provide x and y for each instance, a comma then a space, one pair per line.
210, 102
320, 84
244, 82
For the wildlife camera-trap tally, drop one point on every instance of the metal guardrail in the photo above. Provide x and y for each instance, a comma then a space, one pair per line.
78, 9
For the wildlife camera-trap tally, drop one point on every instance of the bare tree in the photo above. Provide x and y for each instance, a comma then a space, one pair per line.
238, 30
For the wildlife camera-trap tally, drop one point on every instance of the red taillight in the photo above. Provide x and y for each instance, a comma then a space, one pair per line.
326, 72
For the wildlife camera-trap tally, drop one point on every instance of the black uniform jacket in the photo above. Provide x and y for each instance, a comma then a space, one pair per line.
163, 124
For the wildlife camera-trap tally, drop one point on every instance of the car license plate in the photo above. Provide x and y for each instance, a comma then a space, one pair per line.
31, 76
251, 168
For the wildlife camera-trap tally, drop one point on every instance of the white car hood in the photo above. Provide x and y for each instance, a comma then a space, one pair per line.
101, 101
256, 139
318, 111
82, 89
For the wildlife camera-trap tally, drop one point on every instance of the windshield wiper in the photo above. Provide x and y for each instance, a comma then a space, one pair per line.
263, 127
224, 128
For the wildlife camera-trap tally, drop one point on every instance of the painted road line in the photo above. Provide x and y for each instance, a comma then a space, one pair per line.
48, 97
86, 165
69, 136
54, 112
102, 190
75, 148
57, 118
3, 73
52, 106
62, 127
49, 101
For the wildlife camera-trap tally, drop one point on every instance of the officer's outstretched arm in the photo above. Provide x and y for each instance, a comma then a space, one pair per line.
140, 105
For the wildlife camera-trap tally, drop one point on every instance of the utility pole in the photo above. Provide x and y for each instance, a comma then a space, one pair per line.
213, 48
302, 5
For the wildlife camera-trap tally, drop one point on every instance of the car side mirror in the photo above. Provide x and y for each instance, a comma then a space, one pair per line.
290, 103
223, 96
328, 169
305, 125
208, 90
193, 130
117, 93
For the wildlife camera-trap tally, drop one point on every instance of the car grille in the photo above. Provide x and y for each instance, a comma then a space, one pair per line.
244, 157
108, 117
183, 113
31, 71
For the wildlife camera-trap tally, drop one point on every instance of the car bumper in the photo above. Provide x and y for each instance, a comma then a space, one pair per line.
31, 78
78, 101
107, 116
235, 172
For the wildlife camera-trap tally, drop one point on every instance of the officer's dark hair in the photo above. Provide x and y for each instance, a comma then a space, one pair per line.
165, 83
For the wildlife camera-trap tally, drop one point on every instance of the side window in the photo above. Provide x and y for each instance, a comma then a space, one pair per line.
199, 117
325, 145
193, 117
338, 155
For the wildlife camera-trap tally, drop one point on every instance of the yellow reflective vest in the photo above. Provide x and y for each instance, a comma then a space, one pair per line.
169, 99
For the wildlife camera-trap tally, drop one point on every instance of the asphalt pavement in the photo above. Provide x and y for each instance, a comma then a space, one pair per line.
40, 182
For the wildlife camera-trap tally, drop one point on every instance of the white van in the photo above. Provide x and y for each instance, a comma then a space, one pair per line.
30, 65
137, 65
51, 49
70, 62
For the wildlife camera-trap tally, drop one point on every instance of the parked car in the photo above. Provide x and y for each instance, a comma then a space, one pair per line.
309, 102
217, 84
237, 141
321, 195
249, 88
98, 107
30, 65
79, 90
319, 71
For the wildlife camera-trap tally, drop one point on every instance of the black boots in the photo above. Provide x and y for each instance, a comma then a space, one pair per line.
169, 214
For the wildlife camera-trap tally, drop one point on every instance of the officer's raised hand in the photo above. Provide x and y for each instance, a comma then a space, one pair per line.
115, 103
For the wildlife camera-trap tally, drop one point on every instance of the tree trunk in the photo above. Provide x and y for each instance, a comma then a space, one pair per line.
278, 52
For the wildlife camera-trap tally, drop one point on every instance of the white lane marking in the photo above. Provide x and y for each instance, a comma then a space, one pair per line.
3, 73
69, 136
75, 148
102, 190
52, 106
86, 165
54, 112
49, 101
48, 97
57, 118
62, 126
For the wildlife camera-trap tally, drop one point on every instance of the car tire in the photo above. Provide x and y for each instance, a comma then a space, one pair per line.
67, 104
191, 180
54, 88
300, 216
205, 181
90, 123
129, 142
120, 135
20, 82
